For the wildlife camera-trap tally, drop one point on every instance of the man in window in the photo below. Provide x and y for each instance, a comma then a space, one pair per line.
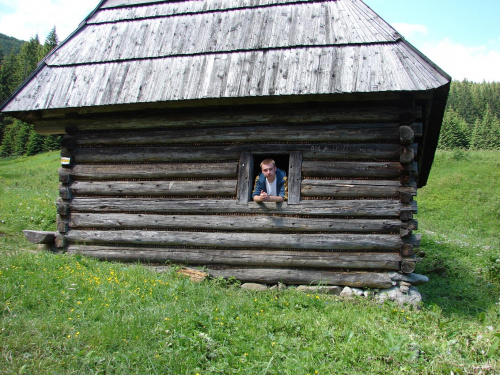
271, 184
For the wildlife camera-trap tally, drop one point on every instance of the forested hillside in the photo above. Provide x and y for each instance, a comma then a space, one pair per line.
471, 120
9, 44
16, 137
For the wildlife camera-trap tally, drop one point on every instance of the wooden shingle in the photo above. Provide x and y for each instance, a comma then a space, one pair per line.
136, 52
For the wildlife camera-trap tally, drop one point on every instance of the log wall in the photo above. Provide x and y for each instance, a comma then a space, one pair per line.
181, 193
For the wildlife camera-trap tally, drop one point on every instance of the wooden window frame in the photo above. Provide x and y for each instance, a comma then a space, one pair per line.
246, 178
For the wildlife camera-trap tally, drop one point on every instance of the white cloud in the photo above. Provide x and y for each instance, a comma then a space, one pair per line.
410, 30
24, 19
477, 63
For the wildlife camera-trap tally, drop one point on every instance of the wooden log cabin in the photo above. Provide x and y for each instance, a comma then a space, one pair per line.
168, 107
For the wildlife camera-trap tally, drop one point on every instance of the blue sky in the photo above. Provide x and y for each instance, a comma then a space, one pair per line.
460, 36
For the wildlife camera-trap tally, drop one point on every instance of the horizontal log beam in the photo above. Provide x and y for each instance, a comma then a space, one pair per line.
249, 134
141, 154
153, 170
354, 151
231, 223
200, 118
303, 259
354, 188
351, 169
306, 277
155, 188
331, 242
153, 154
350, 208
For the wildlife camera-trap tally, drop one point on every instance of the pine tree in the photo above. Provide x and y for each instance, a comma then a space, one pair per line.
8, 81
453, 131
27, 59
7, 146
51, 143
35, 143
51, 42
486, 134
21, 137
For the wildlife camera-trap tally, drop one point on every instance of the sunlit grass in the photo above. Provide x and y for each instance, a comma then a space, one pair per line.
28, 190
67, 314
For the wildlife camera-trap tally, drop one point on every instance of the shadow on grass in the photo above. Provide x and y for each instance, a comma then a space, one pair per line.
458, 285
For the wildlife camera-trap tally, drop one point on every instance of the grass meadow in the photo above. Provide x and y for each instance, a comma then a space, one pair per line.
63, 314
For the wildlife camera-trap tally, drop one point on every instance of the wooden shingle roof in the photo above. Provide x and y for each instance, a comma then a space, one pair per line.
143, 51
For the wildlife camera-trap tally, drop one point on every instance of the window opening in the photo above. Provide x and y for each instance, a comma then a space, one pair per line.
249, 169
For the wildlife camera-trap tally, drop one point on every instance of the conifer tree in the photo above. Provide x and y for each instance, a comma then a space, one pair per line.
51, 143
486, 132
51, 42
7, 146
27, 59
20, 138
7, 76
453, 131
34, 144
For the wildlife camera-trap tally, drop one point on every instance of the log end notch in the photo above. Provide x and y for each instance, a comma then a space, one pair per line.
40, 237
46, 240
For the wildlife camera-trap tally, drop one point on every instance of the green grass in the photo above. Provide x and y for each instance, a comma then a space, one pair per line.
28, 190
65, 314
459, 217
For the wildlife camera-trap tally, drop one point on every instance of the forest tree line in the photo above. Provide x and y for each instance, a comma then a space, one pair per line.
16, 137
471, 120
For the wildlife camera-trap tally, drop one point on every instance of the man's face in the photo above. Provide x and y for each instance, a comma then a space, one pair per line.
269, 171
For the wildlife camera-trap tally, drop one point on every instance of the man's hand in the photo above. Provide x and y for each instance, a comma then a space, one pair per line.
264, 197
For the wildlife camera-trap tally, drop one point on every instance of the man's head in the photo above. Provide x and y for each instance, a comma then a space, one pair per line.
268, 167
